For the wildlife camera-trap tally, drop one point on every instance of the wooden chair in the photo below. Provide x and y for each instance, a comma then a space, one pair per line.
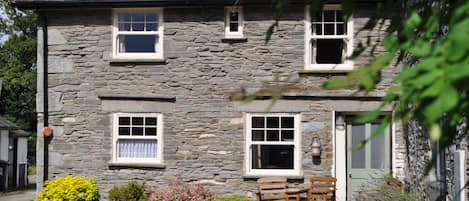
322, 188
272, 188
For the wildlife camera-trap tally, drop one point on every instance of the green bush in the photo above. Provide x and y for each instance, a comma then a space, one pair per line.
69, 188
233, 198
133, 191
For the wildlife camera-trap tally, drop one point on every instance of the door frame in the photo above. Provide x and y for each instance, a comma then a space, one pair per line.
339, 169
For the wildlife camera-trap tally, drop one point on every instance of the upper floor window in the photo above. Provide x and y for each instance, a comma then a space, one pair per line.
137, 138
138, 33
273, 144
234, 22
329, 40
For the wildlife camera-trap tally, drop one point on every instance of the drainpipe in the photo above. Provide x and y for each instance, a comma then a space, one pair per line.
46, 94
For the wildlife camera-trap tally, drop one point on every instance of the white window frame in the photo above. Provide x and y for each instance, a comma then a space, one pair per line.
297, 166
136, 55
234, 34
158, 137
310, 36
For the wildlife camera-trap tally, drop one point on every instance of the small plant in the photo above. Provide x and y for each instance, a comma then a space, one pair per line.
233, 198
69, 188
182, 192
133, 191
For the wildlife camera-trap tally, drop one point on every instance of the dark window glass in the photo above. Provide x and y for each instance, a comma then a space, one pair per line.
318, 29
288, 122
329, 29
138, 27
329, 16
150, 121
137, 121
287, 135
137, 43
150, 131
272, 156
273, 135
257, 135
258, 122
272, 122
317, 17
152, 17
124, 26
233, 27
340, 29
124, 130
138, 17
329, 51
125, 17
152, 27
124, 121
339, 16
234, 16
137, 130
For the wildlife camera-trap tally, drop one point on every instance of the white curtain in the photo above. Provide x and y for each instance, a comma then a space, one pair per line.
137, 148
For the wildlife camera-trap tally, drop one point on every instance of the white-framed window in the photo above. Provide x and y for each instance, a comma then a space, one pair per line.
234, 22
273, 144
138, 33
137, 138
328, 40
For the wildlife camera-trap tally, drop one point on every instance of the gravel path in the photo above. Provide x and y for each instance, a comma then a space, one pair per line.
27, 195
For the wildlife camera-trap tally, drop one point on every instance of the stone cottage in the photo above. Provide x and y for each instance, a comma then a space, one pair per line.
140, 90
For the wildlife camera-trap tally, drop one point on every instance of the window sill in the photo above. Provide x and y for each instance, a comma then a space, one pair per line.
228, 39
138, 61
260, 176
318, 71
137, 165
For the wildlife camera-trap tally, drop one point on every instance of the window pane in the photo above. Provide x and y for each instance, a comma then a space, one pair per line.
339, 16
150, 121
318, 29
329, 51
272, 122
329, 29
257, 135
137, 148
317, 17
124, 130
234, 16
150, 131
138, 26
378, 156
340, 29
152, 27
137, 121
273, 135
125, 17
124, 26
137, 43
272, 156
287, 135
329, 16
137, 130
124, 121
258, 122
152, 17
233, 27
287, 122
138, 17
358, 155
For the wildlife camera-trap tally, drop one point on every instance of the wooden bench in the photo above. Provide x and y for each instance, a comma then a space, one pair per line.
322, 188
272, 188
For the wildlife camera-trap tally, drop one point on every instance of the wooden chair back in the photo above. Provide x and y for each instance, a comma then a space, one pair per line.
322, 188
394, 183
272, 188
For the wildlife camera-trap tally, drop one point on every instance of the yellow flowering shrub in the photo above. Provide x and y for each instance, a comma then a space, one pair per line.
69, 188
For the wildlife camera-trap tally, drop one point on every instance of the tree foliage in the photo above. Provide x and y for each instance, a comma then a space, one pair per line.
18, 66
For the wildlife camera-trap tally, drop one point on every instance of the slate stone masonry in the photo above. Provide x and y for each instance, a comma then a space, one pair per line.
203, 129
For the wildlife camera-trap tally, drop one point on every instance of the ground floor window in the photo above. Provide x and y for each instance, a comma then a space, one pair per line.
137, 137
273, 144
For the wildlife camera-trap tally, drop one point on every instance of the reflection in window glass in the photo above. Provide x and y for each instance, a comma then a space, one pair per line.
272, 156
358, 155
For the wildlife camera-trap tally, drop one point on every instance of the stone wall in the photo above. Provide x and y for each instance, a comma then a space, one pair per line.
203, 129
